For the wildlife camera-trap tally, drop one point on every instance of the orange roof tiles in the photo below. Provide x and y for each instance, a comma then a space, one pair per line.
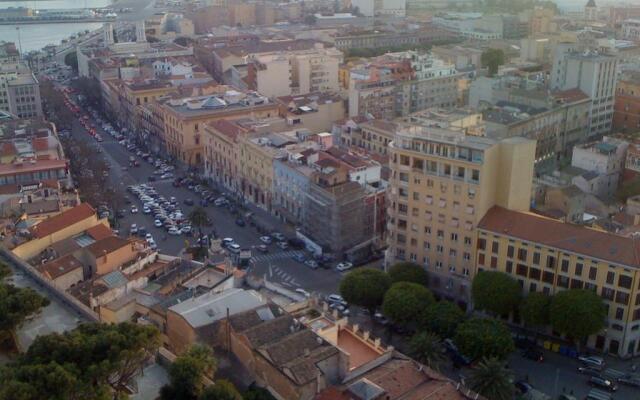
227, 128
60, 266
577, 239
63, 220
40, 144
8, 149
107, 245
99, 232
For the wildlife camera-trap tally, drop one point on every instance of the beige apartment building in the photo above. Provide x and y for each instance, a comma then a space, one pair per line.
185, 119
222, 156
442, 184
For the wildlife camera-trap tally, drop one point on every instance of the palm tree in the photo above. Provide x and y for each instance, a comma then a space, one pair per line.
198, 218
492, 379
426, 347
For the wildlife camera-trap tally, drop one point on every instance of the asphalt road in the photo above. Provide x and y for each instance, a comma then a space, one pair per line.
277, 266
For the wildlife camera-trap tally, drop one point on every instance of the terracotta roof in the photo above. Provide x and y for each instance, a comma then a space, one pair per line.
63, 220
60, 266
9, 189
40, 144
39, 165
570, 95
107, 245
228, 128
99, 232
564, 236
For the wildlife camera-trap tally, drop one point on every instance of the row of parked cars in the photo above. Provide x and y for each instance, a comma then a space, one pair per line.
166, 212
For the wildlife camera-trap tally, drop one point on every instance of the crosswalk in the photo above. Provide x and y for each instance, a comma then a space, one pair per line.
276, 256
613, 373
283, 277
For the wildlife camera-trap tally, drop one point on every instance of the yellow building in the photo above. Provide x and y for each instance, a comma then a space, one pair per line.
546, 255
222, 153
442, 183
134, 95
185, 119
256, 166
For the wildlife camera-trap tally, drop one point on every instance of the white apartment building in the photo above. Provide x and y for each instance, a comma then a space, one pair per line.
592, 72
631, 29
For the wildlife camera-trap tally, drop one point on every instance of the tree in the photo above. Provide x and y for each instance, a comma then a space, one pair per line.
442, 318
484, 337
257, 393
4, 271
16, 305
310, 19
492, 59
577, 313
365, 287
199, 218
404, 300
90, 89
492, 379
186, 374
426, 347
92, 362
495, 292
534, 310
408, 272
221, 390
71, 60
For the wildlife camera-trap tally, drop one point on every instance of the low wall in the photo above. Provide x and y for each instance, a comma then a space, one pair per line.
65, 298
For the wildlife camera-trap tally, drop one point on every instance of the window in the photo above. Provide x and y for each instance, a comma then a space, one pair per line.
563, 281
495, 247
536, 258
510, 251
576, 284
454, 237
522, 254
494, 262
509, 267
481, 258
551, 262
534, 273
611, 276
622, 297
564, 266
548, 277
440, 234
593, 273
482, 244
607, 293
619, 313
521, 270
578, 269
624, 281
467, 241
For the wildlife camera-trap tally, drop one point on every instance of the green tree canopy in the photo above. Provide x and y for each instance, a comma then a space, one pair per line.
4, 271
577, 313
16, 305
71, 60
365, 287
442, 318
257, 393
199, 218
492, 379
426, 347
406, 300
484, 338
186, 374
93, 361
492, 59
495, 292
534, 309
408, 272
221, 390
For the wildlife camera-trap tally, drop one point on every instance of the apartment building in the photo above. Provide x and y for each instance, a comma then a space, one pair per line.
601, 165
374, 136
536, 252
469, 121
592, 72
294, 72
314, 112
357, 39
442, 183
398, 84
631, 29
626, 110
185, 119
19, 91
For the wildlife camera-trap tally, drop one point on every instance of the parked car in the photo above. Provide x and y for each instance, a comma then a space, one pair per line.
633, 381
234, 248
380, 319
344, 266
188, 202
240, 222
265, 239
311, 264
134, 210
590, 371
335, 298
533, 354
523, 386
594, 361
303, 292
283, 245
296, 243
134, 229
603, 383
278, 236
263, 248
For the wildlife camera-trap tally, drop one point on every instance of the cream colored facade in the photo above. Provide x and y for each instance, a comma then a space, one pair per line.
442, 183
222, 157
256, 168
541, 267
316, 70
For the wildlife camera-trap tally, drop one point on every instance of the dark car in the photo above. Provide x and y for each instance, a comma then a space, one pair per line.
296, 243
590, 371
151, 178
603, 383
523, 387
240, 222
299, 258
633, 381
533, 354
188, 202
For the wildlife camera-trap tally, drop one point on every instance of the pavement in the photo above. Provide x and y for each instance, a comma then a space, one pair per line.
277, 265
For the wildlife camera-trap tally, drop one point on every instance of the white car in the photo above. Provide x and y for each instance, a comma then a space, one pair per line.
146, 210
265, 239
157, 223
594, 361
148, 236
186, 229
174, 231
234, 248
335, 298
134, 210
303, 292
344, 266
133, 229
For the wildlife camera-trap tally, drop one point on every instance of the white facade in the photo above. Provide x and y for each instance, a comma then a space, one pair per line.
605, 161
592, 72
631, 29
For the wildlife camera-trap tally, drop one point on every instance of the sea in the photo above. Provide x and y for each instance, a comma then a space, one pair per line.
36, 36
